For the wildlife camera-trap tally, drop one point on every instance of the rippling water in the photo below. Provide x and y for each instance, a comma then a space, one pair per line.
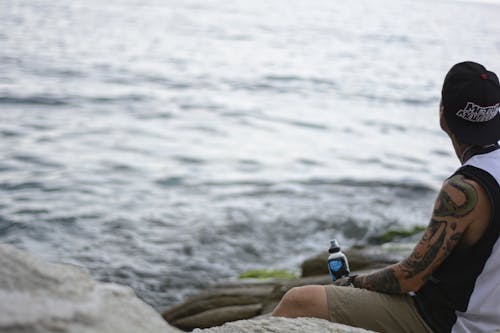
170, 144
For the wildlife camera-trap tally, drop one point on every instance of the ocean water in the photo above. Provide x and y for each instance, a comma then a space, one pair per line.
168, 145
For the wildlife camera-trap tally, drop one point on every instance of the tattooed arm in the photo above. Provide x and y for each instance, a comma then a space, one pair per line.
455, 209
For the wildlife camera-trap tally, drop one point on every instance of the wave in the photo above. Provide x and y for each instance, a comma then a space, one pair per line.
28, 185
409, 185
34, 100
69, 100
276, 187
284, 84
291, 84
430, 100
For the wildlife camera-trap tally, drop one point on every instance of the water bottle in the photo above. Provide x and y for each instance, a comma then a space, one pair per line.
337, 262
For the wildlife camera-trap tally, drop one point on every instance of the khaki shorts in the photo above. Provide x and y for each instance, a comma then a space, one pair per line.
374, 311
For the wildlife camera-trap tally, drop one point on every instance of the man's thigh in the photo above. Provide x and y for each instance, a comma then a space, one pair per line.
374, 311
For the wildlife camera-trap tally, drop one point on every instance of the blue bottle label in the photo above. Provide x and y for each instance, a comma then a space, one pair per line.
335, 265
337, 268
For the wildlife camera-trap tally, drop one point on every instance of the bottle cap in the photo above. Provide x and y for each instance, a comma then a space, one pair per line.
334, 246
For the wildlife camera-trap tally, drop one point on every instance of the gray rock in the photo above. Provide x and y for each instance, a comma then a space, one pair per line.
315, 265
40, 297
231, 301
360, 258
242, 299
218, 297
282, 325
236, 300
218, 316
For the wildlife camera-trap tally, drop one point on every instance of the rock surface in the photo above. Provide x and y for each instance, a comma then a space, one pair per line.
360, 258
40, 297
37, 297
233, 301
244, 299
283, 325
220, 305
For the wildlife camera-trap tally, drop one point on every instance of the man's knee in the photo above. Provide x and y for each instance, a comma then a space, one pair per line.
306, 301
296, 297
291, 303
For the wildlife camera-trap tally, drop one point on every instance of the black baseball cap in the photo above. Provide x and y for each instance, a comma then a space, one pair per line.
471, 101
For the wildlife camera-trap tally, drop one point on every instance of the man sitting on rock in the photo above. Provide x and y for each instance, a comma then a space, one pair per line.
451, 280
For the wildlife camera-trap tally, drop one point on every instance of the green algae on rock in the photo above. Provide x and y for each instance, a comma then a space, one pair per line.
395, 234
267, 274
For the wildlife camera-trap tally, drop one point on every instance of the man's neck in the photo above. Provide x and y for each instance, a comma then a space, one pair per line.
466, 151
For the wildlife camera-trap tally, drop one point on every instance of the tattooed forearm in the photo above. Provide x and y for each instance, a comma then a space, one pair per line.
448, 207
440, 237
384, 281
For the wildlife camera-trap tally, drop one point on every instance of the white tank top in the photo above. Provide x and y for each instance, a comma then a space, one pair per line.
483, 310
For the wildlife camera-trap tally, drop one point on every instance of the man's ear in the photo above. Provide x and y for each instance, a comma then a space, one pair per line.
444, 125
442, 119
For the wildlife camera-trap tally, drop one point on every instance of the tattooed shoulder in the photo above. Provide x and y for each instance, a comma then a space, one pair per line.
447, 204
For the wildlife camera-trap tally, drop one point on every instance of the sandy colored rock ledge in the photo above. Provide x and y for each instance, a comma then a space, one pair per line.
283, 325
233, 301
39, 297
219, 316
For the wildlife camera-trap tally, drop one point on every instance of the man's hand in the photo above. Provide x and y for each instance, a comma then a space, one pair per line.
343, 282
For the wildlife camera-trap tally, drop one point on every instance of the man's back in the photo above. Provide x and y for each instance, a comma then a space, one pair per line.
464, 291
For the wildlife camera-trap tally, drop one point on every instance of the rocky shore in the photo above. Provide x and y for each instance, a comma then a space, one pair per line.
37, 297
248, 298
45, 297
